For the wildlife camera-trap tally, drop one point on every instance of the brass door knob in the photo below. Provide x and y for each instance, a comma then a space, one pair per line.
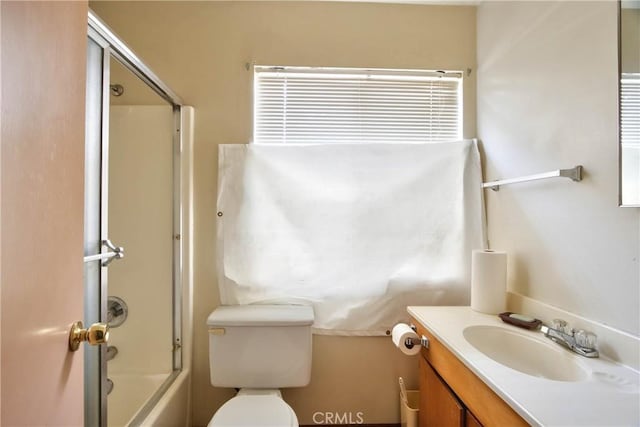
98, 333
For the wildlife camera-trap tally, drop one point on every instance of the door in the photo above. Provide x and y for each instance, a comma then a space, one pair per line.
438, 405
43, 52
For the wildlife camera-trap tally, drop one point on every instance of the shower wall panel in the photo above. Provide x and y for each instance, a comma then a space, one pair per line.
141, 220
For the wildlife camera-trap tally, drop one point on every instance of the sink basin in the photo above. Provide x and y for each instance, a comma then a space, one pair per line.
525, 353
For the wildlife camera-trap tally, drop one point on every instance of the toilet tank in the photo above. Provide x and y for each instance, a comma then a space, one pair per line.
260, 346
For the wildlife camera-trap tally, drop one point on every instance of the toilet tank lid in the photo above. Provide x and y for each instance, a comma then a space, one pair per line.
261, 315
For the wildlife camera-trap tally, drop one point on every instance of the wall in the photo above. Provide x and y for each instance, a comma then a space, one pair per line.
136, 91
547, 99
200, 49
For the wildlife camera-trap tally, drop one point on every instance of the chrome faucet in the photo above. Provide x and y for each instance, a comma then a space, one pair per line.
580, 341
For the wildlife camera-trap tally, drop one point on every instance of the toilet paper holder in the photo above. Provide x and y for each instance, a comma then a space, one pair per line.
410, 342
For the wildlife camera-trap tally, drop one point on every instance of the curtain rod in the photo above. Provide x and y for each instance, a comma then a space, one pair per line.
575, 174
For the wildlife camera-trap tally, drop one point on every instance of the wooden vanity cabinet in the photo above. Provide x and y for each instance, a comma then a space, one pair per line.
452, 395
471, 421
439, 406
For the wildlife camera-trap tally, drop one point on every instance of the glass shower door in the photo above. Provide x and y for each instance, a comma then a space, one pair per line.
132, 198
94, 274
140, 219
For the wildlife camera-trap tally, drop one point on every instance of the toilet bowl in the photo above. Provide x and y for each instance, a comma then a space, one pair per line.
255, 408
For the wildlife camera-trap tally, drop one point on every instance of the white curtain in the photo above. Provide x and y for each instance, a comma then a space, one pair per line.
358, 230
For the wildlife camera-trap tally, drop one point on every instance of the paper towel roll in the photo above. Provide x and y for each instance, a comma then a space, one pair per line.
489, 281
399, 335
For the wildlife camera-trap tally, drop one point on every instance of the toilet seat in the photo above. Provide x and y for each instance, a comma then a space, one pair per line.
255, 411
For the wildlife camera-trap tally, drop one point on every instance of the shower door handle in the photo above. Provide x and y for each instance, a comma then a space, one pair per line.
117, 252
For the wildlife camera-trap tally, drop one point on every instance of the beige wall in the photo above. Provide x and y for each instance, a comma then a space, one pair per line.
136, 91
200, 49
547, 98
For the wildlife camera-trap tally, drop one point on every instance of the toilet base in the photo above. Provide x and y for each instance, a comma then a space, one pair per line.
255, 408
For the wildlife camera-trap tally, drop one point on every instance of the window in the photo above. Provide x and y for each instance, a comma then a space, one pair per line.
333, 105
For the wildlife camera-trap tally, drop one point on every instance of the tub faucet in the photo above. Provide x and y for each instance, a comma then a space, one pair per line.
580, 341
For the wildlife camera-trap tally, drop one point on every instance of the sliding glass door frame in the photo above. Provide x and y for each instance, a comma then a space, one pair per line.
103, 45
95, 223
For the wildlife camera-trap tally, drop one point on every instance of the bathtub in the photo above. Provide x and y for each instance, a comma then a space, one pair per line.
151, 399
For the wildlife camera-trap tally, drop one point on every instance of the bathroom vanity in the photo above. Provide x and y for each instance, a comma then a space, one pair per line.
451, 394
478, 370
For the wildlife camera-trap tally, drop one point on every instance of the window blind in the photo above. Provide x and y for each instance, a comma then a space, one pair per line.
630, 109
330, 105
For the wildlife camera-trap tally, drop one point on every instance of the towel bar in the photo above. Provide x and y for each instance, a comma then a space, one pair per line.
575, 174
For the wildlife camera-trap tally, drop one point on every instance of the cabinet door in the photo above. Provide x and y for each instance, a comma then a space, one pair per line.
471, 421
438, 405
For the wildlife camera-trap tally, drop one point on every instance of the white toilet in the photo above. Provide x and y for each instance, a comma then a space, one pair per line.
259, 349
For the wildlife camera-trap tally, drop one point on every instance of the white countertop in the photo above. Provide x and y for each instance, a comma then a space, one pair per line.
609, 396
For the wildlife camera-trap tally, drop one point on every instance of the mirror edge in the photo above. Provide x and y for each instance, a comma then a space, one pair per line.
621, 203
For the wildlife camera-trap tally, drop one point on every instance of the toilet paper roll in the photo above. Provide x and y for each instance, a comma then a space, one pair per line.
489, 281
399, 335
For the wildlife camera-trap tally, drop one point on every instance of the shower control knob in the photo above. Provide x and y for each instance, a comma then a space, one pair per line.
96, 334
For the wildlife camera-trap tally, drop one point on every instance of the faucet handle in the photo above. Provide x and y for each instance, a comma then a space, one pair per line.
560, 325
586, 339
